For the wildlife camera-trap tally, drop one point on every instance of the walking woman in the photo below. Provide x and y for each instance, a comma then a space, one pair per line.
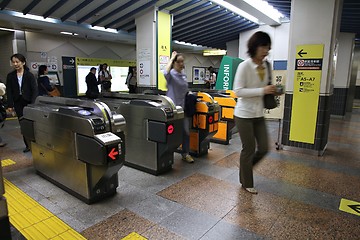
43, 81
21, 88
250, 85
177, 88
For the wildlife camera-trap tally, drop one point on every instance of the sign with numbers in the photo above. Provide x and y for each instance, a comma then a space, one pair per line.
278, 78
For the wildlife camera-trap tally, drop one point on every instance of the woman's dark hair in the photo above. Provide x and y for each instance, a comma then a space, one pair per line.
175, 59
21, 58
131, 70
42, 69
258, 39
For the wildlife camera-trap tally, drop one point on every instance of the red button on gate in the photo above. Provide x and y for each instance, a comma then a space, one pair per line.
170, 129
210, 119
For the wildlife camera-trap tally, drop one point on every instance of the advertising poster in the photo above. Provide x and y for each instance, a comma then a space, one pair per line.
163, 46
198, 75
307, 79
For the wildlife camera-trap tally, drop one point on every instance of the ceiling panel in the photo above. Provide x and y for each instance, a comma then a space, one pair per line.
198, 21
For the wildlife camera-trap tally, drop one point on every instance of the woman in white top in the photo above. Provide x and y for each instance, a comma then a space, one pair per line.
250, 85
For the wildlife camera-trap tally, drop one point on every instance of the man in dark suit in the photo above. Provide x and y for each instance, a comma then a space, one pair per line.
92, 84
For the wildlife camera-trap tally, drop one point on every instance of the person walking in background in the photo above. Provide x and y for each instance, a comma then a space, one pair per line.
2, 93
177, 88
210, 83
92, 83
21, 88
131, 79
250, 85
43, 81
105, 77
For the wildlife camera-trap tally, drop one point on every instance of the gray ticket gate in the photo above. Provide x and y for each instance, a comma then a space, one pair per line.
76, 144
153, 130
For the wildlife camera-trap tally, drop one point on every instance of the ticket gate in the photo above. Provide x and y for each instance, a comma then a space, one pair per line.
153, 130
204, 124
227, 101
78, 145
227, 104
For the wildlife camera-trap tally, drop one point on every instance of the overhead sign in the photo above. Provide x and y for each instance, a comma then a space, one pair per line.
307, 79
350, 206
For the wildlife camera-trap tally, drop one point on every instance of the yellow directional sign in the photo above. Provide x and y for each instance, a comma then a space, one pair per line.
350, 206
307, 79
309, 51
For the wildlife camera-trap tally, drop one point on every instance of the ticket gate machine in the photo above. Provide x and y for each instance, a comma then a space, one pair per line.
227, 104
153, 130
204, 124
78, 145
227, 101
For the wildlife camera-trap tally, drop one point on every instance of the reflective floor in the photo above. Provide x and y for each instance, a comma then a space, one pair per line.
299, 193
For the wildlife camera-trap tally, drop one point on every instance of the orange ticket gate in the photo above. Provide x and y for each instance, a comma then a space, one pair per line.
204, 124
227, 102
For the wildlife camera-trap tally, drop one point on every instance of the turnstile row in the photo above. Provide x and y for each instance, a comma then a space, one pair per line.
80, 145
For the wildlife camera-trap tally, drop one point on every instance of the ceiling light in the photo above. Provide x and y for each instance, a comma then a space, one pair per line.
7, 29
265, 8
214, 52
187, 44
69, 33
236, 10
34, 17
110, 30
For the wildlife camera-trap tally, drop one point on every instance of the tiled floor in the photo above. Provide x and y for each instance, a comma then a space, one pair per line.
299, 193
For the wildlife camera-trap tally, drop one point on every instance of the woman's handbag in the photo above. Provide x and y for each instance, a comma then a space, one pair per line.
55, 92
269, 99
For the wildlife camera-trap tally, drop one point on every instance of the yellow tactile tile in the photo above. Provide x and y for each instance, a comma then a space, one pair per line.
71, 235
134, 236
7, 162
33, 220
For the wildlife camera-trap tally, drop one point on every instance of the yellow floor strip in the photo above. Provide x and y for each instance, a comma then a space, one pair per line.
134, 236
33, 220
7, 162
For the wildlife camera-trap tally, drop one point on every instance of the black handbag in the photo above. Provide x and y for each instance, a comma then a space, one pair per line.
269, 99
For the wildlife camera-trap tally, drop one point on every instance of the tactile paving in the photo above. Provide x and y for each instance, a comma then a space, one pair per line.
33, 220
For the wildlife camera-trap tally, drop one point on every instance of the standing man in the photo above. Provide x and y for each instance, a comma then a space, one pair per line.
92, 83
105, 77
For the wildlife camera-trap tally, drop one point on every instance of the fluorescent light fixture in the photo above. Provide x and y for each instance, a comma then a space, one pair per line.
265, 8
236, 10
34, 17
214, 52
7, 29
69, 33
187, 44
110, 30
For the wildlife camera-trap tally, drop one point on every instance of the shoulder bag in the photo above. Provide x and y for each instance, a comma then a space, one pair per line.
269, 99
